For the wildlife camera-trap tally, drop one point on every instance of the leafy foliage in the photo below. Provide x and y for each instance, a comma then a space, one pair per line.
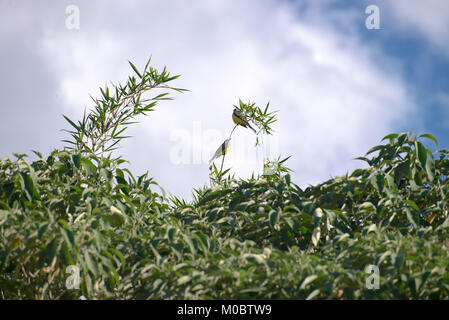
264, 237
102, 129
261, 118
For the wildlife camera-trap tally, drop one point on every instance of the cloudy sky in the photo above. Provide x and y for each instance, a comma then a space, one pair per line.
338, 86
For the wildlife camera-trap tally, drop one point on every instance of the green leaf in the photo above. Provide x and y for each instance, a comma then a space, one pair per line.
401, 138
65, 254
76, 158
287, 179
425, 276
376, 148
430, 169
402, 170
28, 187
273, 217
90, 263
372, 228
307, 280
183, 280
412, 204
378, 182
367, 206
313, 294
135, 69
363, 159
71, 123
214, 195
42, 228
384, 256
316, 236
410, 217
317, 215
421, 153
118, 254
399, 262
191, 242
88, 166
171, 233
121, 180
115, 217
431, 137
390, 136
177, 249
68, 237
390, 181
416, 174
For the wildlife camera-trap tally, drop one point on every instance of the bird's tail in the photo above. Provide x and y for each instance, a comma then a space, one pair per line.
213, 158
252, 128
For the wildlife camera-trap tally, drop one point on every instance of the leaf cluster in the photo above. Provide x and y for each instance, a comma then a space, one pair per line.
259, 238
240, 239
101, 130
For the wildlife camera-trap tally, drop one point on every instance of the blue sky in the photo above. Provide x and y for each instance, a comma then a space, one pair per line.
338, 86
426, 69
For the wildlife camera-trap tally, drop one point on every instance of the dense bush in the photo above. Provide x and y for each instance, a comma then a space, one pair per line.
263, 238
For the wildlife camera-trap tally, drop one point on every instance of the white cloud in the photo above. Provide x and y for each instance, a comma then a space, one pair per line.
426, 18
85, 63
336, 96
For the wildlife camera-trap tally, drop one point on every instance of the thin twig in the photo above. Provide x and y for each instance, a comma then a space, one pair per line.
224, 155
233, 131
221, 168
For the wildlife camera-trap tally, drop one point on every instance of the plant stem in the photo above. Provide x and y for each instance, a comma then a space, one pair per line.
221, 167
233, 131
222, 160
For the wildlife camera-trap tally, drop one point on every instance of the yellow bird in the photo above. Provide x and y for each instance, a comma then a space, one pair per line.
222, 150
240, 119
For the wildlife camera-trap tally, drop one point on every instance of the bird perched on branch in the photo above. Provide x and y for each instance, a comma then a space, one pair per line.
240, 119
222, 150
